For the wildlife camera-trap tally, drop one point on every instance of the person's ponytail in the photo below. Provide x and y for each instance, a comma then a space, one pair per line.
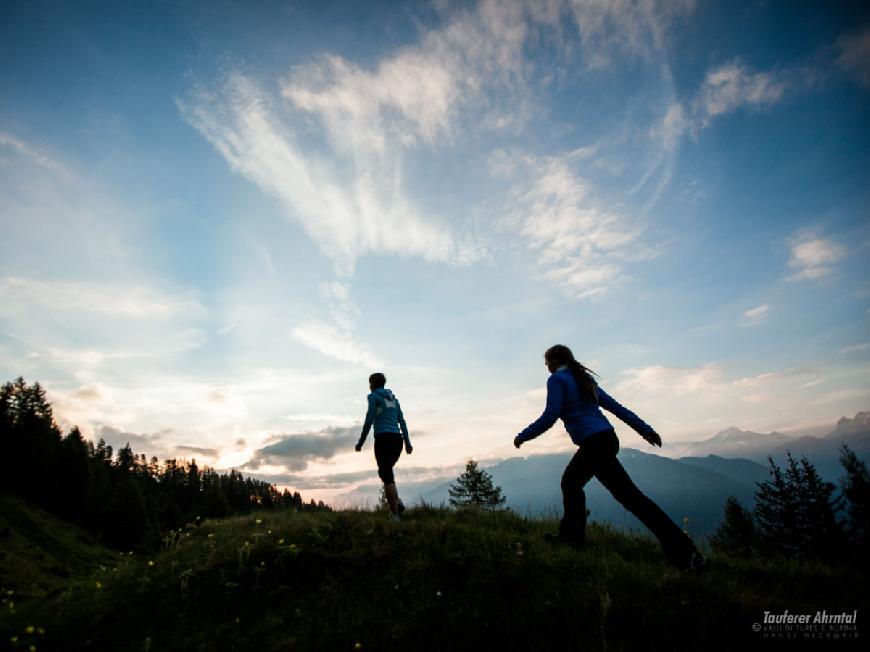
562, 355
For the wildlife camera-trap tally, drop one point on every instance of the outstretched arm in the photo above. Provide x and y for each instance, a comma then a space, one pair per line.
639, 425
555, 398
370, 419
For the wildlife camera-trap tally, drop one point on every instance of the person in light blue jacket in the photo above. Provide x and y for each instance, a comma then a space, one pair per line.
385, 414
575, 397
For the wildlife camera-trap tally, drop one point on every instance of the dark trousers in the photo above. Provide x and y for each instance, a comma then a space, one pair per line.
597, 457
388, 448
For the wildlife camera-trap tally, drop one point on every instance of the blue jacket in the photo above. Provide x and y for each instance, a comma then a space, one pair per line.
581, 418
385, 414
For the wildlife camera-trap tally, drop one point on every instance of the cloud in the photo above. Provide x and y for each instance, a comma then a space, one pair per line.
756, 316
335, 342
853, 55
857, 348
89, 393
293, 452
126, 301
195, 450
581, 244
658, 379
335, 337
117, 438
25, 149
332, 145
727, 88
732, 86
812, 256
349, 203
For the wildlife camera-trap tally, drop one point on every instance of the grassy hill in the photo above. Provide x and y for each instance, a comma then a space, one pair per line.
440, 580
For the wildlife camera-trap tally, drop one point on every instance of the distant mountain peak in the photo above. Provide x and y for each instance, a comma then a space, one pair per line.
731, 434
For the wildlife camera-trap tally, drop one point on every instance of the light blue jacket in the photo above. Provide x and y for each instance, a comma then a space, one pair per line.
581, 417
385, 414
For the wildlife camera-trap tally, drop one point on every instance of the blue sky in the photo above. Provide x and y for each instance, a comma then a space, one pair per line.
216, 220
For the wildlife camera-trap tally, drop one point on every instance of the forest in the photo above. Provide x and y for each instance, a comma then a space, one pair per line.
120, 496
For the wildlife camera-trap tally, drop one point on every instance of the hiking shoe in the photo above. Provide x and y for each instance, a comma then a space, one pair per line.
401, 507
562, 540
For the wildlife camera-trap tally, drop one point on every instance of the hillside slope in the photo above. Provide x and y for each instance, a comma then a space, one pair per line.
40, 554
440, 580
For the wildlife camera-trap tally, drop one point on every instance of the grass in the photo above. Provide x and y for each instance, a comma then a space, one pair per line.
440, 580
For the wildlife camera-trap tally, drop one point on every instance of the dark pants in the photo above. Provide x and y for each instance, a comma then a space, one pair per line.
388, 448
597, 456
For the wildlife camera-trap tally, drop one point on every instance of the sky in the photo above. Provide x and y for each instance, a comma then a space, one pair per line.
218, 218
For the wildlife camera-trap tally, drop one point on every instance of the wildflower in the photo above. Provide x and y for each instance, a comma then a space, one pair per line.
357, 646
99, 584
280, 542
268, 531
10, 592
438, 593
210, 535
40, 631
150, 562
14, 639
258, 521
32, 648
30, 629
262, 563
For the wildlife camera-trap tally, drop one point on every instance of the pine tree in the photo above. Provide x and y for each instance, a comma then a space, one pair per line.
126, 520
856, 491
736, 534
475, 488
796, 511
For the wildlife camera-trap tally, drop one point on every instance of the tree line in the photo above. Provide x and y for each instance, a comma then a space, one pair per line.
121, 497
797, 514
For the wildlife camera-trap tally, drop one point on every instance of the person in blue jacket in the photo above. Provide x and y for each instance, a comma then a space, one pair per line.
575, 397
385, 414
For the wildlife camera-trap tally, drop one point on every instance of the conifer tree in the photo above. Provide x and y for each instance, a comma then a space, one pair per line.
796, 511
856, 491
736, 534
475, 488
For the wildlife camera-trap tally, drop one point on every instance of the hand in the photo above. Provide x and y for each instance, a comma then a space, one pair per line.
517, 441
408, 448
358, 447
654, 439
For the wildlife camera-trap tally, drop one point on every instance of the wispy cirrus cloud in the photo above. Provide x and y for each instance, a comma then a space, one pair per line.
103, 298
855, 348
726, 88
853, 55
32, 153
813, 256
581, 243
757, 315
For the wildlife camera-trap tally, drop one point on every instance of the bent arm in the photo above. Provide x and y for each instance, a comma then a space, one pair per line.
624, 414
555, 398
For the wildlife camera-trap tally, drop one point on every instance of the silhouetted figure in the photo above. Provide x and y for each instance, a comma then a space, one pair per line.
574, 396
385, 414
